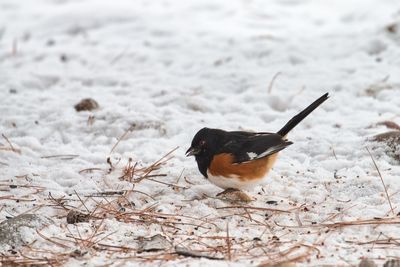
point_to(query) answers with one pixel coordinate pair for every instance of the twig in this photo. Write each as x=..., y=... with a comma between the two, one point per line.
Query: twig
x=59, y=201
x=119, y=56
x=334, y=153
x=165, y=157
x=180, y=175
x=252, y=208
x=66, y=156
x=187, y=181
x=13, y=149
x=271, y=83
x=286, y=256
x=373, y=244
x=228, y=242
x=122, y=137
x=107, y=193
x=9, y=197
x=101, y=239
x=249, y=215
x=383, y=183
x=51, y=241
x=156, y=165
x=83, y=203
x=393, y=220
x=391, y=239
x=173, y=185
x=188, y=253
x=90, y=170
x=143, y=193
x=337, y=214
x=297, y=215
x=387, y=241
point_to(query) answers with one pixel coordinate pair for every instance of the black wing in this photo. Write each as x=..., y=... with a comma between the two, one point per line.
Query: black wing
x=247, y=146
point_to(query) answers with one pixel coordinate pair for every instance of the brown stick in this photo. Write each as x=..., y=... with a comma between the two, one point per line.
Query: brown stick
x=252, y=208
x=188, y=253
x=83, y=203
x=66, y=156
x=90, y=170
x=228, y=243
x=11, y=146
x=50, y=240
x=393, y=220
x=164, y=183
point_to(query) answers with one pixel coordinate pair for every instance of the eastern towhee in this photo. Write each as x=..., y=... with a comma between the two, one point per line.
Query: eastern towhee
x=238, y=159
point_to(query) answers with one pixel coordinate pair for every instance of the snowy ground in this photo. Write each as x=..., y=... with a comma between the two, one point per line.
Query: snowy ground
x=172, y=67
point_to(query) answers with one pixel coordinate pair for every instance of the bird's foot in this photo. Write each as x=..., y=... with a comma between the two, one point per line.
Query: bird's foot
x=233, y=194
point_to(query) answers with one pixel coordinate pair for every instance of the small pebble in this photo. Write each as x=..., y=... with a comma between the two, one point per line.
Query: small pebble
x=86, y=104
x=367, y=263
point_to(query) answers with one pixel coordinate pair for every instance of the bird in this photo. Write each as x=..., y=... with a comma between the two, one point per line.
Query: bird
x=236, y=160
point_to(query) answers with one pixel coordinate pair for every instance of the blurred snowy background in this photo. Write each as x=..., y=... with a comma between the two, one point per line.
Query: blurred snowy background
x=161, y=70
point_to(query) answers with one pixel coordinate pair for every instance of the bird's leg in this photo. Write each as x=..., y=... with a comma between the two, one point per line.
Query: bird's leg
x=234, y=194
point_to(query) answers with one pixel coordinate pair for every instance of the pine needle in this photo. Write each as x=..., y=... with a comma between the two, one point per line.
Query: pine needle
x=383, y=183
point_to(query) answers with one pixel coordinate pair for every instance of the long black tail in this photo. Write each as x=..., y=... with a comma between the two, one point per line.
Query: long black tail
x=299, y=117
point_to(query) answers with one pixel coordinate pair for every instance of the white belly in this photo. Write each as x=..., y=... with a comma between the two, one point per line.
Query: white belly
x=232, y=182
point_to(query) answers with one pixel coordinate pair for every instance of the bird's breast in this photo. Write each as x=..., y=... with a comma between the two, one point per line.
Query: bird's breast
x=225, y=174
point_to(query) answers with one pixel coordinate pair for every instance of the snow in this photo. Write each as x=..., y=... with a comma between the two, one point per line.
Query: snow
x=172, y=67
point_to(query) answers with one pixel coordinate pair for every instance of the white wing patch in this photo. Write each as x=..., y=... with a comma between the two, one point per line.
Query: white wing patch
x=262, y=134
x=252, y=155
x=267, y=152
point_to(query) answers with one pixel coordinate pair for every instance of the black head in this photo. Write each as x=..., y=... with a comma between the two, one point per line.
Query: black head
x=204, y=145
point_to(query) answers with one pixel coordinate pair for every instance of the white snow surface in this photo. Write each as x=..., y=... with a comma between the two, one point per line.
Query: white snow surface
x=173, y=67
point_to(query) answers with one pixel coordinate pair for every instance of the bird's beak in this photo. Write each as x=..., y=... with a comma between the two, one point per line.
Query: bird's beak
x=192, y=152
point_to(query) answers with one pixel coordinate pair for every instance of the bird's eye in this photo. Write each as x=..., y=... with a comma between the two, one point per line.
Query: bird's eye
x=202, y=143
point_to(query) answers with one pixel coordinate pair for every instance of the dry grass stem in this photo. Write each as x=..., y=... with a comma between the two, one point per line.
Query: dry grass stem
x=121, y=138
x=228, y=243
x=254, y=208
x=11, y=148
x=63, y=157
x=375, y=221
x=271, y=83
x=383, y=183
x=89, y=231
